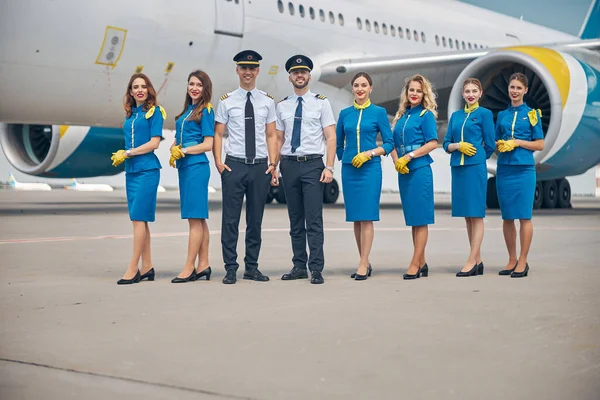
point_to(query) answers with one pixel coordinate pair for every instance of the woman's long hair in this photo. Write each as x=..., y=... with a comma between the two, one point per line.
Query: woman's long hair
x=429, y=96
x=204, y=100
x=129, y=101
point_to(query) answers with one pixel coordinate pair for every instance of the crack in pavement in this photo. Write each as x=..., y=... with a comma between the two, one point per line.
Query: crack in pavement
x=132, y=380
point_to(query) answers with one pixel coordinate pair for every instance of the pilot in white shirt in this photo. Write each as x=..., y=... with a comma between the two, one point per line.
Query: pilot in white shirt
x=249, y=115
x=306, y=126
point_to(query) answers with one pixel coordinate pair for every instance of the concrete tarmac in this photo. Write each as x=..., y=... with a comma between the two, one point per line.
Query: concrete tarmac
x=67, y=331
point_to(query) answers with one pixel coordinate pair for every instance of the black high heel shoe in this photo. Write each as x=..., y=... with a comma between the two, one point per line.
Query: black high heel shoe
x=520, y=274
x=472, y=272
x=205, y=272
x=369, y=271
x=148, y=275
x=508, y=271
x=135, y=279
x=480, y=268
x=423, y=271
x=190, y=278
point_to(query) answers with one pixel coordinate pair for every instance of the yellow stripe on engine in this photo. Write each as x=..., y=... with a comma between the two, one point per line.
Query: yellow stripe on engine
x=62, y=130
x=554, y=63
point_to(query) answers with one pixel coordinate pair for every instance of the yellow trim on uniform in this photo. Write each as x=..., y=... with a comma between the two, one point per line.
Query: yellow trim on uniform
x=62, y=130
x=423, y=112
x=554, y=63
x=209, y=107
x=299, y=67
x=150, y=112
x=512, y=129
x=248, y=63
x=224, y=96
x=533, y=118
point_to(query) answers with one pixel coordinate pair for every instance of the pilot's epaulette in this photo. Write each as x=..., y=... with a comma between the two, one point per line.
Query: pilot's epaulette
x=284, y=99
x=226, y=95
x=423, y=112
x=320, y=96
x=267, y=94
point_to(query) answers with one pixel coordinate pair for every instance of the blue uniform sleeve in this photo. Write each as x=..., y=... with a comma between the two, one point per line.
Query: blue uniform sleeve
x=538, y=133
x=448, y=135
x=429, y=127
x=487, y=128
x=386, y=132
x=340, y=136
x=499, y=126
x=207, y=122
x=156, y=123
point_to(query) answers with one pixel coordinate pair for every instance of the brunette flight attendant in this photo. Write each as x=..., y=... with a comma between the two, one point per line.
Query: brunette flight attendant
x=518, y=134
x=415, y=136
x=195, y=130
x=356, y=135
x=143, y=132
x=470, y=140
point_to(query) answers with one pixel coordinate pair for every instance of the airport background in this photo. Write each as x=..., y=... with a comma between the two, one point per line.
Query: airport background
x=557, y=14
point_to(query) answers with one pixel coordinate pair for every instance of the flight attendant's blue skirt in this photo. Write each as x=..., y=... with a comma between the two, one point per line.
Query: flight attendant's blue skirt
x=469, y=190
x=362, y=191
x=416, y=193
x=515, y=185
x=141, y=190
x=193, y=190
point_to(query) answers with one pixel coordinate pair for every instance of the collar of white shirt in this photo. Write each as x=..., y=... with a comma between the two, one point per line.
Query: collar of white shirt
x=305, y=96
x=244, y=92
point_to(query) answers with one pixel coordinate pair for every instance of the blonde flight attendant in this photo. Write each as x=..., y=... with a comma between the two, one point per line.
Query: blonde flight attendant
x=415, y=136
x=143, y=132
x=195, y=130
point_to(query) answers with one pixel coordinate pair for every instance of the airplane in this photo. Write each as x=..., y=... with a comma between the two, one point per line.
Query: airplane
x=20, y=186
x=62, y=83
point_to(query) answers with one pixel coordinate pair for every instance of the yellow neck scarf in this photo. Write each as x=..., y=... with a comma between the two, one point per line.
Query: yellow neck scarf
x=471, y=108
x=362, y=107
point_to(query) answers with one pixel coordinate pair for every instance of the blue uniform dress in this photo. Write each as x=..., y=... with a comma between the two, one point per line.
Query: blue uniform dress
x=469, y=173
x=357, y=131
x=415, y=128
x=515, y=176
x=142, y=173
x=194, y=169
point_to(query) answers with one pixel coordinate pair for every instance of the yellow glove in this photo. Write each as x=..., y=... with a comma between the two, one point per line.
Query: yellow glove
x=360, y=159
x=118, y=158
x=507, y=145
x=176, y=152
x=400, y=165
x=467, y=148
x=172, y=162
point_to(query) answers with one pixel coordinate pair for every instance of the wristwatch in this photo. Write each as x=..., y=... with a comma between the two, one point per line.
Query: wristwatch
x=329, y=168
x=411, y=155
x=272, y=164
x=128, y=152
x=184, y=150
x=372, y=153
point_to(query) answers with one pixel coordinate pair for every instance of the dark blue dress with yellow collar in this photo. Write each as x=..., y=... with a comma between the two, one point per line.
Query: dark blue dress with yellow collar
x=142, y=173
x=194, y=169
x=415, y=128
x=515, y=175
x=474, y=125
x=356, y=131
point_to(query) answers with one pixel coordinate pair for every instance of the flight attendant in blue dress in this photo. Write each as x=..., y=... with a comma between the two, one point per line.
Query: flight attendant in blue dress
x=415, y=136
x=143, y=133
x=356, y=134
x=194, y=133
x=470, y=140
x=518, y=134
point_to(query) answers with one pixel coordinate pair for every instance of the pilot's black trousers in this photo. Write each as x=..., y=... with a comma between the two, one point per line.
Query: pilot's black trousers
x=251, y=181
x=304, y=197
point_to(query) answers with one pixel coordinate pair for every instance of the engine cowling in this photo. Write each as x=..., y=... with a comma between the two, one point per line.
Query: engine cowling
x=61, y=151
x=564, y=84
